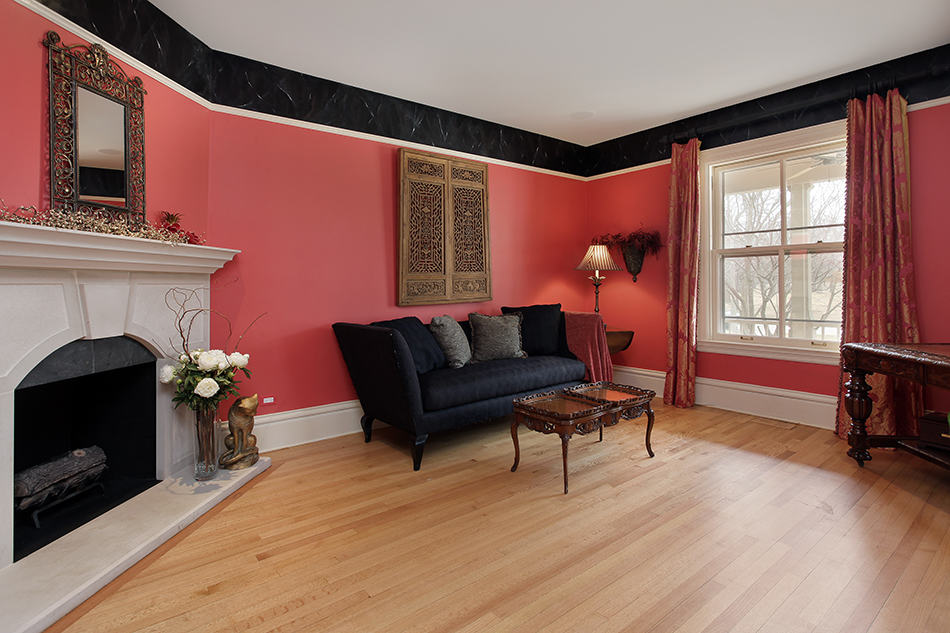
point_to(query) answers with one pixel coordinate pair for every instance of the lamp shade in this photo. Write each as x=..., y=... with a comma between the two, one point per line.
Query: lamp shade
x=597, y=258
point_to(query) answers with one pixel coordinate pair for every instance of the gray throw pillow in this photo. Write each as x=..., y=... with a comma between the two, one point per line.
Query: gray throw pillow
x=451, y=338
x=495, y=337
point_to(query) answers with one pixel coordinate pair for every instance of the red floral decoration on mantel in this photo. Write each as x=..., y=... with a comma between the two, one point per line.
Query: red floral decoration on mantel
x=171, y=222
x=96, y=222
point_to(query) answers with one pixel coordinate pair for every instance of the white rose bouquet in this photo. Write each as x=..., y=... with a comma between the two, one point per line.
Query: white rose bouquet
x=203, y=378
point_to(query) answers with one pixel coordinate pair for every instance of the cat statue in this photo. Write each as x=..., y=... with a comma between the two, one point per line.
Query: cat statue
x=242, y=446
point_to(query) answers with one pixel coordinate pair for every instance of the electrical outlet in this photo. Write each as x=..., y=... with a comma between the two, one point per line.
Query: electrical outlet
x=268, y=399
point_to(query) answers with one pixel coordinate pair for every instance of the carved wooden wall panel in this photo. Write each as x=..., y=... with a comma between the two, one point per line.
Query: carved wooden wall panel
x=444, y=253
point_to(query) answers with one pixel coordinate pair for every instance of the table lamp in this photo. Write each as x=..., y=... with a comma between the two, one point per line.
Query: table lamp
x=597, y=259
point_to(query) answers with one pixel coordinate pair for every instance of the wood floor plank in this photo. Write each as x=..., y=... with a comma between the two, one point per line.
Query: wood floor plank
x=739, y=524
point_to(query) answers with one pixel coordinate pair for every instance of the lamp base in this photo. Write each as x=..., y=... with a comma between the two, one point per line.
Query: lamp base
x=597, y=279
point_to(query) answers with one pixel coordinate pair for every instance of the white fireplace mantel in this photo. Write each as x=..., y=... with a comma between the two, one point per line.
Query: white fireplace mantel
x=59, y=286
x=29, y=246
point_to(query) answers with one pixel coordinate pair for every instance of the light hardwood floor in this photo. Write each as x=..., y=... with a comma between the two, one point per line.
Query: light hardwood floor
x=738, y=524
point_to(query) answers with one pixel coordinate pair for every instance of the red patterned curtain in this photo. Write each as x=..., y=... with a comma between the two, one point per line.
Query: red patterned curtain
x=879, y=301
x=683, y=246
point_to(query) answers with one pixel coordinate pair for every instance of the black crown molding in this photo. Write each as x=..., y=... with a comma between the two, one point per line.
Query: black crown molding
x=920, y=77
x=143, y=31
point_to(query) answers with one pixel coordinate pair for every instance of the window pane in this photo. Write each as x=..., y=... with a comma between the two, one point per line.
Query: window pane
x=813, y=283
x=815, y=194
x=751, y=206
x=759, y=238
x=750, y=295
x=811, y=236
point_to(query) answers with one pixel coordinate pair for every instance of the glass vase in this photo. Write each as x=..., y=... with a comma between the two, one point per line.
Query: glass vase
x=206, y=446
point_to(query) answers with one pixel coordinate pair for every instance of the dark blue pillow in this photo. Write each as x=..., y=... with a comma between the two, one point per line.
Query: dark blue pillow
x=540, y=328
x=426, y=353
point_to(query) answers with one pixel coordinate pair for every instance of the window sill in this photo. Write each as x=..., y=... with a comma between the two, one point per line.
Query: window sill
x=775, y=352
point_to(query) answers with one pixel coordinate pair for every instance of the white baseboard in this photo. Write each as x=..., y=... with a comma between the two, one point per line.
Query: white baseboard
x=643, y=378
x=801, y=407
x=301, y=426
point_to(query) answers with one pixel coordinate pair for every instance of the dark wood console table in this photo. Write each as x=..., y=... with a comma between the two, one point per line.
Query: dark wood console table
x=925, y=363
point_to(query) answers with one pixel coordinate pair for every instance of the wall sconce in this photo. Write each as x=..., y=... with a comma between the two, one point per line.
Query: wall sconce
x=597, y=259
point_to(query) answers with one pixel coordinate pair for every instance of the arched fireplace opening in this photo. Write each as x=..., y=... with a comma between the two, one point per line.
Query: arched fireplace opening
x=88, y=393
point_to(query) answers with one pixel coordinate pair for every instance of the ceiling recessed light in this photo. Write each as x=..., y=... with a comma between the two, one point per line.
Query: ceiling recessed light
x=580, y=116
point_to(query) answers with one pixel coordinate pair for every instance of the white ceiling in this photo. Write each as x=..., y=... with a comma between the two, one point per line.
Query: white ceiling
x=580, y=71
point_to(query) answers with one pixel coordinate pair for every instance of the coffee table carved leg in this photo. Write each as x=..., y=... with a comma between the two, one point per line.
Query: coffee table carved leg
x=564, y=441
x=514, y=439
x=858, y=403
x=649, y=429
x=601, y=433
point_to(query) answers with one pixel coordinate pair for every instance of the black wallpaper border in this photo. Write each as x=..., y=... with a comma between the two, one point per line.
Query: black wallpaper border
x=920, y=77
x=146, y=33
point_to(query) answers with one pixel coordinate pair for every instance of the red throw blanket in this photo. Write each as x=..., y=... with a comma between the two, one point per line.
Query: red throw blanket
x=587, y=339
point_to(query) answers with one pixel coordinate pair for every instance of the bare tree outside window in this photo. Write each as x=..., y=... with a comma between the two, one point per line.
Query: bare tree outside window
x=779, y=258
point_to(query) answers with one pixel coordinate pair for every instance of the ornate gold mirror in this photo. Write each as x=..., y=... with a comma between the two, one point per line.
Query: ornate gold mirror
x=97, y=133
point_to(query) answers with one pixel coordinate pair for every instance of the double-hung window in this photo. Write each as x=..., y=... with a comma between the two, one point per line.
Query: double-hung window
x=773, y=277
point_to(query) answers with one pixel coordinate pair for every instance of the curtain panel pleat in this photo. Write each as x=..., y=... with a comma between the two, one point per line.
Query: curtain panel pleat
x=683, y=276
x=879, y=301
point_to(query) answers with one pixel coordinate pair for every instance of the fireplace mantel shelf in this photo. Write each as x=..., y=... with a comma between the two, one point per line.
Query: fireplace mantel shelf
x=30, y=246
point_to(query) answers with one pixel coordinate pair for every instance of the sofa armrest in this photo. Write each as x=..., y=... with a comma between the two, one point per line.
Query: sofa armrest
x=383, y=372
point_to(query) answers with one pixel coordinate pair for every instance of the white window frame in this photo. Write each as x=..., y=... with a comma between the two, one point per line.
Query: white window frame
x=808, y=139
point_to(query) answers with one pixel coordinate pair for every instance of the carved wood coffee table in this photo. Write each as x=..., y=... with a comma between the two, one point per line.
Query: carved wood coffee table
x=582, y=409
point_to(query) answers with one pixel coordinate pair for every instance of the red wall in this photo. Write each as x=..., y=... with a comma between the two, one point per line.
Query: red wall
x=930, y=204
x=621, y=204
x=625, y=202
x=315, y=215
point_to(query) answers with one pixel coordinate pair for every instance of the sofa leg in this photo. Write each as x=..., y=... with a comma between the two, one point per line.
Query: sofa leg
x=418, y=444
x=367, y=423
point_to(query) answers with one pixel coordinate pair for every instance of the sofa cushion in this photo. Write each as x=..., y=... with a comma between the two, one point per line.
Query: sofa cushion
x=540, y=328
x=496, y=337
x=426, y=353
x=447, y=387
x=451, y=338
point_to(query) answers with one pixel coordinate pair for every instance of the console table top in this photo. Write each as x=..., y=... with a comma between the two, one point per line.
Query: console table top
x=930, y=354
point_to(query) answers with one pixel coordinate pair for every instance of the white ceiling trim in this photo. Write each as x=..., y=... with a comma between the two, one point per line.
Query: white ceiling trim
x=80, y=32
x=933, y=103
x=628, y=170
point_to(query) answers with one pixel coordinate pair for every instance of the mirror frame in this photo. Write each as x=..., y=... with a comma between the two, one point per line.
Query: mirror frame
x=91, y=67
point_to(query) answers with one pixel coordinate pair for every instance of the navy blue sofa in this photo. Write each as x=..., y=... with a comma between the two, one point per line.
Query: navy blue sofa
x=384, y=371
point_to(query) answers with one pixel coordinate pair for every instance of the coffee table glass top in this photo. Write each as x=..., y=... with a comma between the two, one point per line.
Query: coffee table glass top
x=612, y=392
x=561, y=405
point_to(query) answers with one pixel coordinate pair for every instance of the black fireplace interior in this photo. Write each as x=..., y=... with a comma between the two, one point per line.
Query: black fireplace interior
x=99, y=392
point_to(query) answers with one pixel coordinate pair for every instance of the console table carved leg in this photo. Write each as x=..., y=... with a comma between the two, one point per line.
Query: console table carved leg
x=564, y=440
x=858, y=404
x=514, y=439
x=649, y=429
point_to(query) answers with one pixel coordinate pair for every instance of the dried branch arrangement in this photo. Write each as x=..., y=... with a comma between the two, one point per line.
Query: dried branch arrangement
x=202, y=378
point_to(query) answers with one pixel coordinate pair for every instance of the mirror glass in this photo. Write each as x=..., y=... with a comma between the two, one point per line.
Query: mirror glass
x=100, y=139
